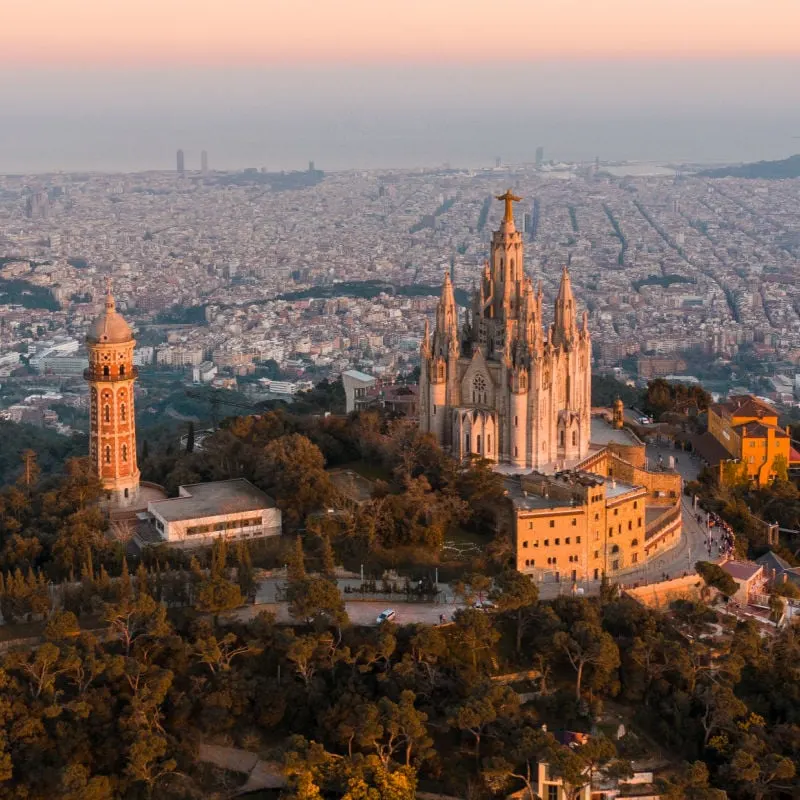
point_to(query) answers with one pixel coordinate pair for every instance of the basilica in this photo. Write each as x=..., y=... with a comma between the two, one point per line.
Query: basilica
x=500, y=385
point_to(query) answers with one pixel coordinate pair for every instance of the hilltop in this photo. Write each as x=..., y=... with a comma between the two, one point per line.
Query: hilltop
x=771, y=170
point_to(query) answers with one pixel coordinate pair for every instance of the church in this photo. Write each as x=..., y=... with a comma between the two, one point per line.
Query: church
x=500, y=386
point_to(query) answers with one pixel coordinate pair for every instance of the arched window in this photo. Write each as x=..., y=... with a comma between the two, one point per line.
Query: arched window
x=106, y=413
x=108, y=455
x=123, y=412
x=561, y=438
x=574, y=438
x=615, y=548
x=121, y=370
x=478, y=446
x=124, y=452
x=106, y=371
x=635, y=543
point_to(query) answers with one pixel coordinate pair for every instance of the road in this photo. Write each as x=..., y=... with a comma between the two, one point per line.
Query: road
x=673, y=563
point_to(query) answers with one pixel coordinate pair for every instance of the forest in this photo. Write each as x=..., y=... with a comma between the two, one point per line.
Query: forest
x=113, y=692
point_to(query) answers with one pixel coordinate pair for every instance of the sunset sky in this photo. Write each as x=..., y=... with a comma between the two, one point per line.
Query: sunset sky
x=207, y=32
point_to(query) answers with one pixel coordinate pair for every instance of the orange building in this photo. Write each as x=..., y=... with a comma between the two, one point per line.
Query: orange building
x=112, y=433
x=744, y=441
x=606, y=516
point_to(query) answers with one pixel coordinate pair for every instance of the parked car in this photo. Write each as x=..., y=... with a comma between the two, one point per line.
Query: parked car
x=485, y=605
x=385, y=616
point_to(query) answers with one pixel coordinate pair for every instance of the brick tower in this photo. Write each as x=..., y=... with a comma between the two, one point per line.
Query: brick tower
x=111, y=375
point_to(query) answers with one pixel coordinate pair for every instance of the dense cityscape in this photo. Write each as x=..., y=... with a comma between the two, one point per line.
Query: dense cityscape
x=681, y=274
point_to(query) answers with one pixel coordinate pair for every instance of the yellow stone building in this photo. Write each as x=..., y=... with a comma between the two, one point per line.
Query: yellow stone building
x=745, y=442
x=608, y=515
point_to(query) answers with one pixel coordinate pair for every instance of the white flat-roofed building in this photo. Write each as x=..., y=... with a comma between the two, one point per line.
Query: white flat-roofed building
x=203, y=512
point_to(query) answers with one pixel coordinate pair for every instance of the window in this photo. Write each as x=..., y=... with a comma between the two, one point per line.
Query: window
x=577, y=539
x=558, y=541
x=634, y=543
x=122, y=412
x=124, y=452
x=574, y=522
x=574, y=438
x=479, y=443
x=533, y=563
x=108, y=455
x=640, y=523
x=535, y=542
x=106, y=372
x=630, y=524
x=616, y=512
x=122, y=370
x=552, y=792
x=466, y=442
x=524, y=544
x=566, y=541
x=516, y=451
x=596, y=517
x=636, y=504
x=527, y=562
x=106, y=413
x=516, y=422
x=635, y=558
x=615, y=548
x=489, y=443
x=597, y=554
x=552, y=523
x=126, y=494
x=615, y=565
x=611, y=530
x=547, y=543
x=530, y=526
x=561, y=438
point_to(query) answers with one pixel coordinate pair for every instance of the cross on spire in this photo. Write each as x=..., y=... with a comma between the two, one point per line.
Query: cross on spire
x=509, y=199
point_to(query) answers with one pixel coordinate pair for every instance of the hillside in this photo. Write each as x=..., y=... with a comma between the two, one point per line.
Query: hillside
x=770, y=170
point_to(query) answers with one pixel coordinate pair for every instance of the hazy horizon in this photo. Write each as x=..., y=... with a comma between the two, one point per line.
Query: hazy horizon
x=384, y=115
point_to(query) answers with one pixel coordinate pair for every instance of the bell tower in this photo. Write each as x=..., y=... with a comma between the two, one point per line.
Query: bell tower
x=112, y=428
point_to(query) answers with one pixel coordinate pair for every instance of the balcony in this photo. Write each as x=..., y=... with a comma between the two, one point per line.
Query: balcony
x=97, y=375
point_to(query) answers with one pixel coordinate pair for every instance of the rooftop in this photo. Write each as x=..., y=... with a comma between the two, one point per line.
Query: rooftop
x=212, y=499
x=603, y=433
x=741, y=570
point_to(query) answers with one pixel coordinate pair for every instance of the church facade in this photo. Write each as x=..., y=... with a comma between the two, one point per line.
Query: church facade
x=500, y=386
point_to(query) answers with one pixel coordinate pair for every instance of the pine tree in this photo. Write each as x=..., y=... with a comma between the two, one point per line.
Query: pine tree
x=190, y=438
x=124, y=584
x=328, y=559
x=296, y=566
x=145, y=450
x=142, y=583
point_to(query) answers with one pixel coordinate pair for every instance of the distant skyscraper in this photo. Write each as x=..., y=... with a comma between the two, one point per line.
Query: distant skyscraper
x=498, y=161
x=311, y=166
x=539, y=156
x=181, y=167
x=526, y=223
x=204, y=162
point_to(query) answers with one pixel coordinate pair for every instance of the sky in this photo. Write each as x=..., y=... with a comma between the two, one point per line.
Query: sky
x=120, y=84
x=139, y=32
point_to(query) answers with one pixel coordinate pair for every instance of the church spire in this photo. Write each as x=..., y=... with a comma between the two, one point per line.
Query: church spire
x=564, y=325
x=446, y=334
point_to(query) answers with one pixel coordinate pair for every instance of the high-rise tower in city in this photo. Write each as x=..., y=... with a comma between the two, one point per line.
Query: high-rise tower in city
x=181, y=165
x=500, y=386
x=112, y=428
x=204, y=162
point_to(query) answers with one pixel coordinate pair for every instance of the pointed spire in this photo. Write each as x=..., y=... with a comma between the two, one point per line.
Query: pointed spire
x=446, y=334
x=111, y=305
x=564, y=323
x=425, y=344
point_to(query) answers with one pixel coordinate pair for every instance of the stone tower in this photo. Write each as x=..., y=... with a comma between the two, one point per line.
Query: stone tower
x=618, y=415
x=501, y=387
x=111, y=375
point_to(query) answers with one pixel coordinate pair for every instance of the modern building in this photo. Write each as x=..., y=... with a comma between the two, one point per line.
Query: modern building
x=356, y=384
x=744, y=441
x=233, y=509
x=499, y=386
x=204, y=162
x=180, y=162
x=539, y=156
x=112, y=431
